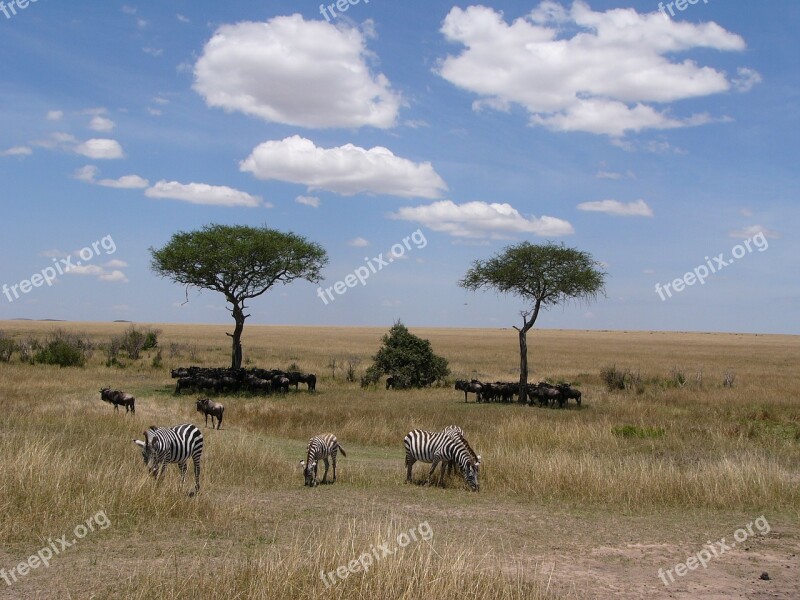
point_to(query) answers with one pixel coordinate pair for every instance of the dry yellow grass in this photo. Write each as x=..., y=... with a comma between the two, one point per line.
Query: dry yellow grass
x=555, y=483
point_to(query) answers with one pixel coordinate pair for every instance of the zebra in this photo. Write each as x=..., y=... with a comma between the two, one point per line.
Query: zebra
x=427, y=446
x=177, y=444
x=320, y=447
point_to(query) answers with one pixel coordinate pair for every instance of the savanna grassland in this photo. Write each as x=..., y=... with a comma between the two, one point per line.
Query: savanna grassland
x=576, y=503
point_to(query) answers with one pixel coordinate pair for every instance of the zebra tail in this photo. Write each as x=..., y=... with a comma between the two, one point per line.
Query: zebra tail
x=342, y=450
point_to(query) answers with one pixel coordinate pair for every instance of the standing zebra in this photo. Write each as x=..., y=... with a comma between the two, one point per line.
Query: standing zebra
x=320, y=447
x=429, y=447
x=177, y=444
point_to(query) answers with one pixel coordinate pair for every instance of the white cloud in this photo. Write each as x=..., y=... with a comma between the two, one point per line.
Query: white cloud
x=202, y=193
x=481, y=219
x=17, y=151
x=304, y=73
x=574, y=69
x=99, y=272
x=103, y=124
x=617, y=208
x=346, y=170
x=55, y=115
x=155, y=52
x=358, y=242
x=746, y=212
x=750, y=231
x=89, y=174
x=746, y=80
x=116, y=264
x=156, y=112
x=182, y=18
x=312, y=201
x=100, y=149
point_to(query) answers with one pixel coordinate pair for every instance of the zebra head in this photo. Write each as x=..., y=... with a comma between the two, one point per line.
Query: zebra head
x=151, y=450
x=310, y=472
x=471, y=475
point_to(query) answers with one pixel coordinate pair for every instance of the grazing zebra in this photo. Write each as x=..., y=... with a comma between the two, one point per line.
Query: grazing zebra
x=426, y=446
x=177, y=444
x=456, y=449
x=320, y=447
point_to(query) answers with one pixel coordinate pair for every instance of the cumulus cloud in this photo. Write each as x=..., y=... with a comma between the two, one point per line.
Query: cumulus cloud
x=89, y=174
x=297, y=72
x=100, y=149
x=574, y=69
x=311, y=201
x=55, y=115
x=346, y=170
x=17, y=151
x=617, y=208
x=748, y=232
x=103, y=124
x=358, y=242
x=202, y=193
x=481, y=219
x=114, y=275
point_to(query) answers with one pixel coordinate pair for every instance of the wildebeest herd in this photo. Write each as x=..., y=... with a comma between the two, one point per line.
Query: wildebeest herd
x=232, y=381
x=546, y=394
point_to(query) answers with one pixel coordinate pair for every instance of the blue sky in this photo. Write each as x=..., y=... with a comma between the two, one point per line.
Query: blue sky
x=654, y=142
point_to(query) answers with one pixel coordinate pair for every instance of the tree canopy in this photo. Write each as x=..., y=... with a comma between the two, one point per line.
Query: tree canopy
x=408, y=359
x=240, y=262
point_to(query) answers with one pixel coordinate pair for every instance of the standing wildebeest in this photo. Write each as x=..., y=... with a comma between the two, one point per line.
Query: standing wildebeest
x=118, y=399
x=569, y=392
x=209, y=407
x=473, y=386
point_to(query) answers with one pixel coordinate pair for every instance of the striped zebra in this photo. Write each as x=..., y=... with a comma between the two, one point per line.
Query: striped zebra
x=163, y=445
x=444, y=446
x=320, y=447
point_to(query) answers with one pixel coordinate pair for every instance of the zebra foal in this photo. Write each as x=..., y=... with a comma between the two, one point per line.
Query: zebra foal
x=164, y=445
x=320, y=447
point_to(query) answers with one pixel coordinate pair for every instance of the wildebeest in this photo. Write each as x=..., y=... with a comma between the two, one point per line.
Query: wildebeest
x=473, y=386
x=209, y=407
x=118, y=398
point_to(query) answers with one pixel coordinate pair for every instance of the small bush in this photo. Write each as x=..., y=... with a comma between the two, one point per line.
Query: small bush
x=633, y=431
x=614, y=378
x=7, y=347
x=27, y=349
x=63, y=349
x=157, y=362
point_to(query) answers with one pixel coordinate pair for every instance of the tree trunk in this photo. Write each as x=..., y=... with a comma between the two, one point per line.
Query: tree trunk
x=523, y=366
x=236, y=337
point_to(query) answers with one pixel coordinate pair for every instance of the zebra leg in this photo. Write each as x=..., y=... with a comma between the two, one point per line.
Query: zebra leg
x=433, y=468
x=196, y=477
x=333, y=458
x=409, y=463
x=325, y=475
x=182, y=469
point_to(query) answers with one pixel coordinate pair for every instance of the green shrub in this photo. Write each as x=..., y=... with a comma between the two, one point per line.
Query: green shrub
x=407, y=358
x=614, y=378
x=63, y=349
x=7, y=347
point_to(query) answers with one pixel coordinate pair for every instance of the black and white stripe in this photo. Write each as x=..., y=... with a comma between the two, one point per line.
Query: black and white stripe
x=320, y=447
x=444, y=446
x=164, y=445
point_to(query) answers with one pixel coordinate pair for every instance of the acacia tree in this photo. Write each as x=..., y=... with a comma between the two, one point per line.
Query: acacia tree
x=241, y=263
x=542, y=275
